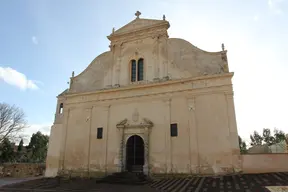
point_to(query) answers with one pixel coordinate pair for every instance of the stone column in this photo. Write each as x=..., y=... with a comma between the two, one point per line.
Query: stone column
x=121, y=146
x=146, y=151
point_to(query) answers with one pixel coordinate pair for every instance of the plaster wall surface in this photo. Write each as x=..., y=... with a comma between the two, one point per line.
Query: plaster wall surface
x=199, y=113
x=265, y=163
x=52, y=163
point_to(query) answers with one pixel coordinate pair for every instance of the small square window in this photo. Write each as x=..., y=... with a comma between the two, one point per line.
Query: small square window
x=174, y=130
x=99, y=133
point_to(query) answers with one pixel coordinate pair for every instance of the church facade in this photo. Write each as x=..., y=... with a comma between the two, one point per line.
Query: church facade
x=151, y=103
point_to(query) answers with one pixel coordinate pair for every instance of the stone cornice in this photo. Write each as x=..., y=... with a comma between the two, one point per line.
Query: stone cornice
x=152, y=84
x=163, y=25
x=141, y=34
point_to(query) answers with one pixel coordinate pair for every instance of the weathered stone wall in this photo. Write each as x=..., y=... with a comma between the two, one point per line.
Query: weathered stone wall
x=182, y=85
x=165, y=103
x=264, y=163
x=21, y=169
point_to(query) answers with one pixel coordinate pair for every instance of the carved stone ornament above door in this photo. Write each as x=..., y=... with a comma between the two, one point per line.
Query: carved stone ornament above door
x=144, y=123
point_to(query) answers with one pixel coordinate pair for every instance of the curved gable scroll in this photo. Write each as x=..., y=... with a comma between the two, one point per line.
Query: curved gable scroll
x=186, y=60
x=92, y=78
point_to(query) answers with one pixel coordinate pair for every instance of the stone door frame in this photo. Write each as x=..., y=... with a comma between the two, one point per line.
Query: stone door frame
x=126, y=130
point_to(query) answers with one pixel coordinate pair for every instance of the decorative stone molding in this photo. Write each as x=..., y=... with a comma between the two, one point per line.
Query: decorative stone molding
x=127, y=129
x=160, y=30
x=143, y=124
x=191, y=104
x=146, y=150
x=121, y=150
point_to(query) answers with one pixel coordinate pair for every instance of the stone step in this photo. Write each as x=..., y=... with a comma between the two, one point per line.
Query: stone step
x=126, y=178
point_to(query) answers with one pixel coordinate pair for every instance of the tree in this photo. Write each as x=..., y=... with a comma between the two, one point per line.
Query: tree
x=279, y=136
x=6, y=151
x=256, y=139
x=267, y=137
x=21, y=155
x=242, y=145
x=12, y=121
x=20, y=146
x=38, y=147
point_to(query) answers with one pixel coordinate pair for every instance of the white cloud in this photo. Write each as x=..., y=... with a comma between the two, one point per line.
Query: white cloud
x=13, y=77
x=35, y=40
x=274, y=6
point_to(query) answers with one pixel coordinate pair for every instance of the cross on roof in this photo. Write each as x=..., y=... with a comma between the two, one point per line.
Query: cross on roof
x=138, y=13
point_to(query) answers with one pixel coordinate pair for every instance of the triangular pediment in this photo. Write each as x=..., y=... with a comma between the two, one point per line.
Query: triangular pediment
x=138, y=25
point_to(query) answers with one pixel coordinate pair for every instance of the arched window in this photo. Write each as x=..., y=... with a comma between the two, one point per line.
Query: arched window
x=137, y=70
x=140, y=70
x=61, y=108
x=133, y=70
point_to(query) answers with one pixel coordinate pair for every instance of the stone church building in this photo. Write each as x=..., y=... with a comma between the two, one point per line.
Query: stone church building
x=151, y=103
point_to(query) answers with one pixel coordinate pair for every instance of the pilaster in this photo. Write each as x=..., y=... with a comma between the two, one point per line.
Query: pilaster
x=121, y=149
x=156, y=58
x=193, y=135
x=167, y=107
x=90, y=109
x=64, y=139
x=117, y=67
x=106, y=108
x=164, y=51
x=146, y=150
x=232, y=120
x=234, y=143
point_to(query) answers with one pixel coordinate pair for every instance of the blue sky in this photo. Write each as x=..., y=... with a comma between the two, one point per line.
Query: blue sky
x=42, y=42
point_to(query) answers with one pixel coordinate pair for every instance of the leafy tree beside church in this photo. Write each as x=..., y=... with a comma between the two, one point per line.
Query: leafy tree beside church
x=267, y=137
x=38, y=147
x=35, y=152
x=6, y=151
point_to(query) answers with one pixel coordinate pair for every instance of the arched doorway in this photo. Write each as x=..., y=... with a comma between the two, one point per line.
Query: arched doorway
x=135, y=154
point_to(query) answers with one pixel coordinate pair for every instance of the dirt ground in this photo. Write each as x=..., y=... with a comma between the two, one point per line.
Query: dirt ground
x=232, y=183
x=9, y=180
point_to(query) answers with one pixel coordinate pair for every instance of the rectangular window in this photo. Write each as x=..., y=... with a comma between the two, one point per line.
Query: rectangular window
x=61, y=108
x=99, y=133
x=133, y=71
x=140, y=75
x=173, y=130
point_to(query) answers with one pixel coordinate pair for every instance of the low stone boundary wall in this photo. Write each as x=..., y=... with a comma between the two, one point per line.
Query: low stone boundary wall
x=21, y=169
x=265, y=163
